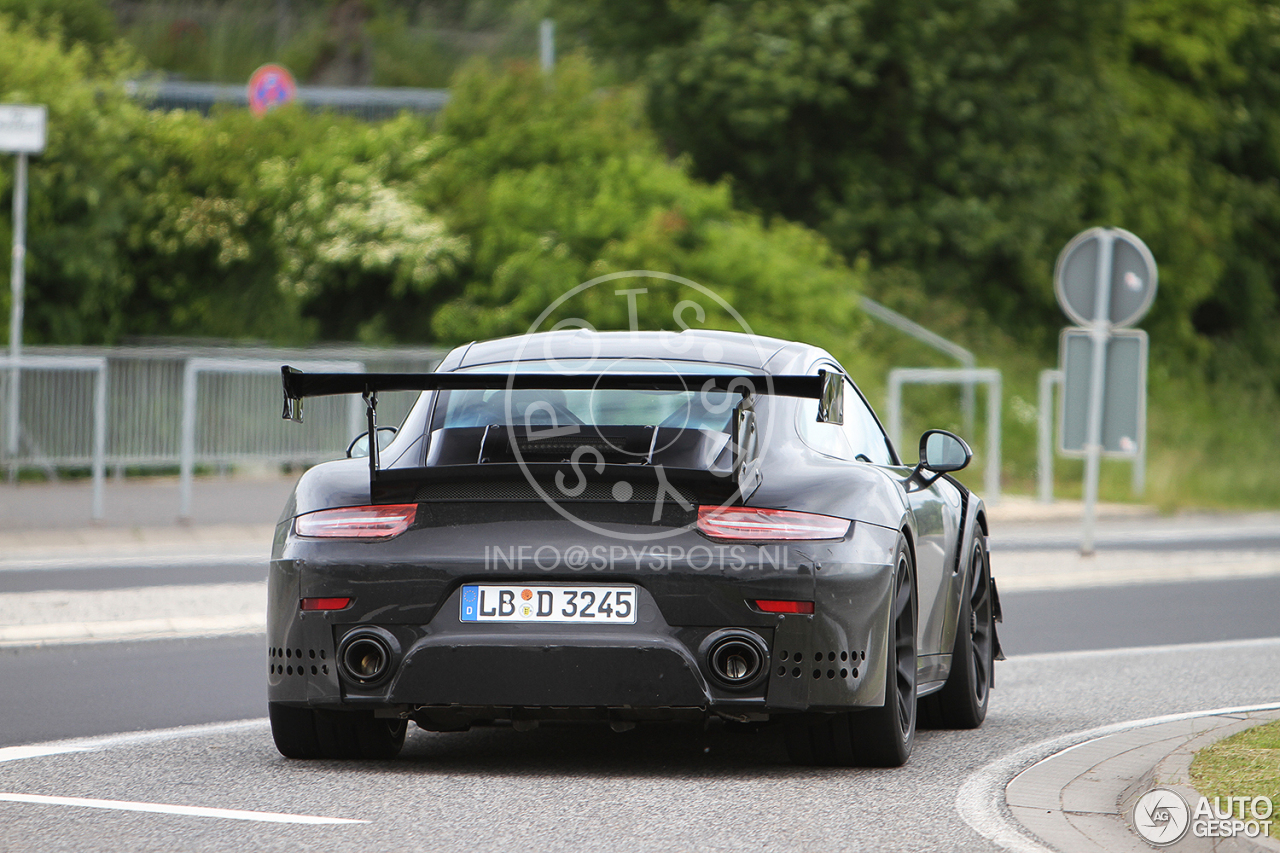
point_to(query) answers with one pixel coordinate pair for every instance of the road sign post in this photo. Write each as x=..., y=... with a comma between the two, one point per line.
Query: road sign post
x=1105, y=279
x=22, y=132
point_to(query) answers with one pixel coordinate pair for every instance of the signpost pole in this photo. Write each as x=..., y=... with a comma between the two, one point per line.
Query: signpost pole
x=16, y=284
x=1099, y=333
x=1105, y=279
x=547, y=45
x=1139, y=483
x=22, y=132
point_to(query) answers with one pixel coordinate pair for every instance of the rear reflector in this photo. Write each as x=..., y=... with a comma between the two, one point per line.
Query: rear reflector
x=745, y=522
x=785, y=606
x=357, y=522
x=325, y=603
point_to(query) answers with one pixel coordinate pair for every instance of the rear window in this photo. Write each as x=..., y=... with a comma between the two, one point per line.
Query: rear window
x=694, y=409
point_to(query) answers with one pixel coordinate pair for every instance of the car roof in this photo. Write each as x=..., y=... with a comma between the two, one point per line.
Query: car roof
x=752, y=352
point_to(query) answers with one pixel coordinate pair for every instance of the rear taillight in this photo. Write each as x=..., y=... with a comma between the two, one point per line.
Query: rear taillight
x=356, y=522
x=324, y=603
x=773, y=606
x=744, y=522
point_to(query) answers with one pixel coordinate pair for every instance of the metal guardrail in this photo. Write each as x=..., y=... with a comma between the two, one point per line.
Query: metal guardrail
x=70, y=415
x=954, y=375
x=371, y=103
x=227, y=431
x=227, y=397
x=892, y=318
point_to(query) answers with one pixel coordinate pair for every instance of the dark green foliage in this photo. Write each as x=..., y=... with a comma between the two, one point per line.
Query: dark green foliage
x=300, y=226
x=965, y=142
x=87, y=22
x=556, y=183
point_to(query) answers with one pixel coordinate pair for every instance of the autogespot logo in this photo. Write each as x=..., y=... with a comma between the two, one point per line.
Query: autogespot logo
x=588, y=441
x=1161, y=816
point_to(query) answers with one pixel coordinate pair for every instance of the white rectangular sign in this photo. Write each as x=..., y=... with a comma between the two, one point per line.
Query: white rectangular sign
x=22, y=128
x=1124, y=392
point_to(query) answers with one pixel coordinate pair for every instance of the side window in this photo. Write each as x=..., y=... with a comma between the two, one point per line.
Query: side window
x=861, y=431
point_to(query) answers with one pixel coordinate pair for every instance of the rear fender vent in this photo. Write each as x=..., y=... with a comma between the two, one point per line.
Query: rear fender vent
x=823, y=664
x=295, y=661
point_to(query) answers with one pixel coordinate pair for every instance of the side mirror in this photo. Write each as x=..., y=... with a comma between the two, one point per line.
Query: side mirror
x=942, y=452
x=359, y=446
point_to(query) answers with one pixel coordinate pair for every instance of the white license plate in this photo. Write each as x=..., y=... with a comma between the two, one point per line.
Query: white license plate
x=516, y=603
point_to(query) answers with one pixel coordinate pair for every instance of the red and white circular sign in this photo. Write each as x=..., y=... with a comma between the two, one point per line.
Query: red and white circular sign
x=269, y=87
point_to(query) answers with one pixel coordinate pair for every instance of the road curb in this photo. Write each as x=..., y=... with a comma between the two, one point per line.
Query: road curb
x=1174, y=773
x=1081, y=798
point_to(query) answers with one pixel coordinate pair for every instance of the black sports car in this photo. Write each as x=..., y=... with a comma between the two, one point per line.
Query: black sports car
x=626, y=527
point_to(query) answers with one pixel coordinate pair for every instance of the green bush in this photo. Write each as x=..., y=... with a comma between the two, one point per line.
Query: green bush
x=556, y=182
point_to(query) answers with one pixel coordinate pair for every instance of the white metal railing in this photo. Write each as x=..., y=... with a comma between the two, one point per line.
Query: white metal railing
x=1049, y=380
x=892, y=318
x=65, y=423
x=159, y=407
x=228, y=432
x=954, y=375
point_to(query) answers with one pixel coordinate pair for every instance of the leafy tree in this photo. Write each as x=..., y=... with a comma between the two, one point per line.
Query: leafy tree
x=87, y=22
x=959, y=145
x=81, y=199
x=556, y=183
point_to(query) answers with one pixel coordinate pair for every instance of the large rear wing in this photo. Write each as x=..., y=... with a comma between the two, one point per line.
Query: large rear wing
x=826, y=387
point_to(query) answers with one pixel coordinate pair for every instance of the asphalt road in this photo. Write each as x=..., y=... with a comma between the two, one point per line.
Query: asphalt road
x=78, y=690
x=1140, y=615
x=55, y=692
x=1072, y=667
x=655, y=788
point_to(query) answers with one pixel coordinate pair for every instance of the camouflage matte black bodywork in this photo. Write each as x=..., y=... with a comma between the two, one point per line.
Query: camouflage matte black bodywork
x=448, y=674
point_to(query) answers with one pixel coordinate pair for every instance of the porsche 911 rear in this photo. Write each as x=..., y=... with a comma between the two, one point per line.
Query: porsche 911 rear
x=482, y=609
x=623, y=527
x=554, y=554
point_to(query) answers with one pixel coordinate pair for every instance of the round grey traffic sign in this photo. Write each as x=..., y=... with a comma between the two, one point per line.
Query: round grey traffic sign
x=1130, y=279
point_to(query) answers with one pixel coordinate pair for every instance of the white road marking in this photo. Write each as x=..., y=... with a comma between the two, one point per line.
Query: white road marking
x=101, y=631
x=981, y=799
x=230, y=556
x=17, y=753
x=162, y=808
x=96, y=744
x=100, y=742
x=1212, y=645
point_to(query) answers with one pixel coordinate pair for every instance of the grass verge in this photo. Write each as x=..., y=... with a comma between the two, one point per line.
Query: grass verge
x=1244, y=765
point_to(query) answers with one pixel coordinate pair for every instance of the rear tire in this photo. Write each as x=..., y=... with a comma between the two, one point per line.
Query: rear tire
x=293, y=730
x=305, y=733
x=380, y=739
x=875, y=737
x=962, y=701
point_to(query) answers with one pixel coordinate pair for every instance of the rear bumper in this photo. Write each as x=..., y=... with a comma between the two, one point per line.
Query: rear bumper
x=655, y=668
